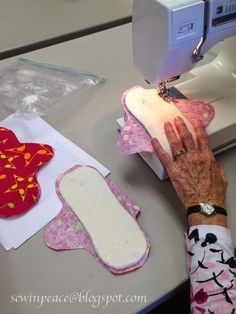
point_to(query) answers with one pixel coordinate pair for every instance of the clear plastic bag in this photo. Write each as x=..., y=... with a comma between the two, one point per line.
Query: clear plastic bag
x=32, y=87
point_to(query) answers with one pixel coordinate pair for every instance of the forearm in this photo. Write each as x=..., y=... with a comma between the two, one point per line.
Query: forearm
x=212, y=269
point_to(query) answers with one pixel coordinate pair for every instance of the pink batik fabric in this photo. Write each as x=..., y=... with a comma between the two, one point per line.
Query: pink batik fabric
x=134, y=138
x=212, y=270
x=66, y=232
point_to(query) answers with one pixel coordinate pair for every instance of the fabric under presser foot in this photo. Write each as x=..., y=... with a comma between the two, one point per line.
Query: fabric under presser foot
x=146, y=114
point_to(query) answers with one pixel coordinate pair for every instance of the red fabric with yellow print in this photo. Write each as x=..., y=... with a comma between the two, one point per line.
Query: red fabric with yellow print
x=19, y=162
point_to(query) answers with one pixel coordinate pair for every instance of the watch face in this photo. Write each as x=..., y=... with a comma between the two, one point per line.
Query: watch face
x=207, y=209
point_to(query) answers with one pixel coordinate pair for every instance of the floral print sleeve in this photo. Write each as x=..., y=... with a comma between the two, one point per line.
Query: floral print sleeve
x=212, y=270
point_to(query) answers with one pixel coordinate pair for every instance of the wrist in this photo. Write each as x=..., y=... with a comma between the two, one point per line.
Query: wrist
x=200, y=219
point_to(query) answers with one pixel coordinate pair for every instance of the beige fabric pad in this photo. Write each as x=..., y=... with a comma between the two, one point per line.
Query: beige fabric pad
x=117, y=238
x=152, y=112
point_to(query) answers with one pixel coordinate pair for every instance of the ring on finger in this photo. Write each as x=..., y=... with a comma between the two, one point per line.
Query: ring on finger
x=180, y=152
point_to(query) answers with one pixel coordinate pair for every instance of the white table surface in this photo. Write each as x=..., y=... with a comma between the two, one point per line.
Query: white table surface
x=27, y=22
x=91, y=123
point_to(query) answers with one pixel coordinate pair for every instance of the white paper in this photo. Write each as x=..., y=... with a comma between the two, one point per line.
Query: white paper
x=16, y=230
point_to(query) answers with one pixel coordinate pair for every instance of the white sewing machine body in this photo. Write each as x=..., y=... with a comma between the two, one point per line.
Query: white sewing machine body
x=165, y=35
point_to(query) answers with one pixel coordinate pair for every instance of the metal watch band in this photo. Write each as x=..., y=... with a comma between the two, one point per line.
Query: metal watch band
x=198, y=209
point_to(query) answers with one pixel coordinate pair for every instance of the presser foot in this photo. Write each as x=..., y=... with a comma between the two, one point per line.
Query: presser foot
x=163, y=90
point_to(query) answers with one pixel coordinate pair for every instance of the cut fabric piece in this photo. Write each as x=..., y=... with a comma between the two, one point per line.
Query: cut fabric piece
x=19, y=162
x=135, y=138
x=195, y=109
x=66, y=231
x=16, y=230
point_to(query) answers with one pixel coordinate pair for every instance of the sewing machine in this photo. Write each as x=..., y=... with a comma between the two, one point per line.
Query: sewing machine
x=170, y=37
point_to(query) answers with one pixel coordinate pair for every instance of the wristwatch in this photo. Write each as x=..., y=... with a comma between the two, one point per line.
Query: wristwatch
x=207, y=209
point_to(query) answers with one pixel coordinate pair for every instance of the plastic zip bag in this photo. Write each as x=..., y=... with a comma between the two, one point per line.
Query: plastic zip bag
x=32, y=87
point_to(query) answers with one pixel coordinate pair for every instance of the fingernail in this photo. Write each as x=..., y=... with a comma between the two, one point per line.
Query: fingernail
x=178, y=120
x=167, y=125
x=197, y=123
x=194, y=123
x=154, y=141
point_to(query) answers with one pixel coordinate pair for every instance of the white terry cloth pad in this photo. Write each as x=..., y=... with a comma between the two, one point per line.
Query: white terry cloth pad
x=152, y=112
x=117, y=238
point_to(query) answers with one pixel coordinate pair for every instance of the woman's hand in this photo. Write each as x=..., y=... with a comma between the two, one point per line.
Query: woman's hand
x=194, y=172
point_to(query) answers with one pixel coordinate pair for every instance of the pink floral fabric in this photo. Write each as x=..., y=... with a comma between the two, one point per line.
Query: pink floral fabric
x=212, y=270
x=134, y=138
x=66, y=232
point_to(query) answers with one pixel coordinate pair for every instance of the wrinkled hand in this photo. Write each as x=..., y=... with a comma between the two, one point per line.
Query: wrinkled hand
x=195, y=174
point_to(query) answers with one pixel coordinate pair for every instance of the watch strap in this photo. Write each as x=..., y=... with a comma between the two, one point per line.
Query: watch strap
x=198, y=209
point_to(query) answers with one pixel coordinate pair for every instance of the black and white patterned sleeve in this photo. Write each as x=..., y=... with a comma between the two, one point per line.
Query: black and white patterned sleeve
x=212, y=269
